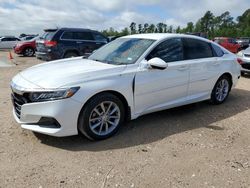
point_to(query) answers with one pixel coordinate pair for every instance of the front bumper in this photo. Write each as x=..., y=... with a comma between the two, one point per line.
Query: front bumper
x=47, y=56
x=18, y=50
x=65, y=112
x=245, y=66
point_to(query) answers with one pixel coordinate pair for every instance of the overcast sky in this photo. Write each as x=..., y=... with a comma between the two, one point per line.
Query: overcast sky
x=32, y=16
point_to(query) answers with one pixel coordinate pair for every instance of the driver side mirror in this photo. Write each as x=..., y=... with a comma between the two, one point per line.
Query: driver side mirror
x=157, y=63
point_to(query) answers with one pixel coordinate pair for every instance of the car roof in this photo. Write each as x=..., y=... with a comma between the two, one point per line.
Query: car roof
x=67, y=29
x=160, y=36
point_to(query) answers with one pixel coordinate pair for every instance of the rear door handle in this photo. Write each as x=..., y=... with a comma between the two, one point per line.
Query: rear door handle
x=79, y=42
x=216, y=63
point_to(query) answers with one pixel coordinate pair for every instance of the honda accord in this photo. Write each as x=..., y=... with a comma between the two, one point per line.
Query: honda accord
x=129, y=77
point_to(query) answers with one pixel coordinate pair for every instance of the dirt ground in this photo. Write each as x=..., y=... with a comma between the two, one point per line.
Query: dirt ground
x=198, y=145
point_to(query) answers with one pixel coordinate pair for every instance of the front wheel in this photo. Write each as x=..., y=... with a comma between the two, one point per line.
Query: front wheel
x=221, y=90
x=29, y=52
x=101, y=117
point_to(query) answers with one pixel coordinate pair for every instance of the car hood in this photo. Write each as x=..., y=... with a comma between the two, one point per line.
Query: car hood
x=68, y=72
x=25, y=42
x=247, y=51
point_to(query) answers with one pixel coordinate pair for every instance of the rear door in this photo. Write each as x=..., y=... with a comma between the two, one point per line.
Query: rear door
x=204, y=67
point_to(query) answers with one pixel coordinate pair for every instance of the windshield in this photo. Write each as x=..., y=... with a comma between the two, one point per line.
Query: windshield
x=35, y=38
x=122, y=51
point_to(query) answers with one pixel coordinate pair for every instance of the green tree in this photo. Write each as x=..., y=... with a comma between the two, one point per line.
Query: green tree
x=190, y=27
x=178, y=29
x=151, y=28
x=160, y=27
x=140, y=28
x=145, y=28
x=124, y=32
x=133, y=28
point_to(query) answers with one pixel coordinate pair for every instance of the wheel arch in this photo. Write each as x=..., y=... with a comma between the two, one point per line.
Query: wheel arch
x=71, y=50
x=115, y=93
x=229, y=75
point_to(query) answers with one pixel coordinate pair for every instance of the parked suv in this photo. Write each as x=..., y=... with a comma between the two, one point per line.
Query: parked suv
x=68, y=42
x=228, y=43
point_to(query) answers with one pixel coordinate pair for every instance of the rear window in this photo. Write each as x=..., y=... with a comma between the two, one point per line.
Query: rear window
x=48, y=35
x=99, y=37
x=217, y=50
x=195, y=49
x=231, y=40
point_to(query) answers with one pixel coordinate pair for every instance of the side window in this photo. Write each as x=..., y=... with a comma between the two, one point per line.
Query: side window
x=217, y=50
x=169, y=50
x=67, y=35
x=195, y=49
x=83, y=36
x=99, y=37
x=5, y=39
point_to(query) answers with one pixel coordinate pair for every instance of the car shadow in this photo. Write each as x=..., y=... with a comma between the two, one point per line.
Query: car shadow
x=246, y=76
x=157, y=126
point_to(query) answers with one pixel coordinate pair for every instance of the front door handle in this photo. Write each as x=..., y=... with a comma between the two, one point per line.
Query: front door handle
x=183, y=68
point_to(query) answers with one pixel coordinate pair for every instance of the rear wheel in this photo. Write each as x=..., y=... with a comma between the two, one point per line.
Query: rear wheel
x=221, y=90
x=70, y=54
x=101, y=117
x=28, y=52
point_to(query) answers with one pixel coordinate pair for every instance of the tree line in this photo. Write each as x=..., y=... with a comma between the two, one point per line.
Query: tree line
x=211, y=25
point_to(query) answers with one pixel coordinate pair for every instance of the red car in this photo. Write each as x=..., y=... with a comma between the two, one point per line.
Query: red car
x=26, y=48
x=228, y=43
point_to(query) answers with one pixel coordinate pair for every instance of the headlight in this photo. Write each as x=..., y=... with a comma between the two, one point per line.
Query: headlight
x=240, y=54
x=53, y=95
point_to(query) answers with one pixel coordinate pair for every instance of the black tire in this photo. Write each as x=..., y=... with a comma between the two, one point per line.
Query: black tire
x=70, y=54
x=242, y=73
x=28, y=52
x=86, y=113
x=214, y=97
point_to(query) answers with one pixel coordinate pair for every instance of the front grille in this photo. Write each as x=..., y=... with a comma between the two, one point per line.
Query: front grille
x=246, y=66
x=247, y=55
x=18, y=101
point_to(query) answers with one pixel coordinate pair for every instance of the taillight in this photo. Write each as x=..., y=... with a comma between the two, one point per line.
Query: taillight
x=239, y=61
x=49, y=43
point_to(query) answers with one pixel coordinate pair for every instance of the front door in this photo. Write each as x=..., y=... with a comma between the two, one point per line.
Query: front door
x=157, y=89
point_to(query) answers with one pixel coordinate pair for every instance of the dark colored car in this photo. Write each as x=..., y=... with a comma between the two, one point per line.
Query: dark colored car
x=68, y=42
x=26, y=48
x=228, y=43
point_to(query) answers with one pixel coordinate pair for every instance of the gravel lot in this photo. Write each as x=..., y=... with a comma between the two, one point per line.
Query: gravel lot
x=198, y=145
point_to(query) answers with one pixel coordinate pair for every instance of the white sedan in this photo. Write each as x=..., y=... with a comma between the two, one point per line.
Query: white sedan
x=127, y=78
x=8, y=42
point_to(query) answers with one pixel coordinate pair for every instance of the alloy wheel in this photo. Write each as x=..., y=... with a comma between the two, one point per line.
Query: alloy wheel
x=104, y=118
x=222, y=90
